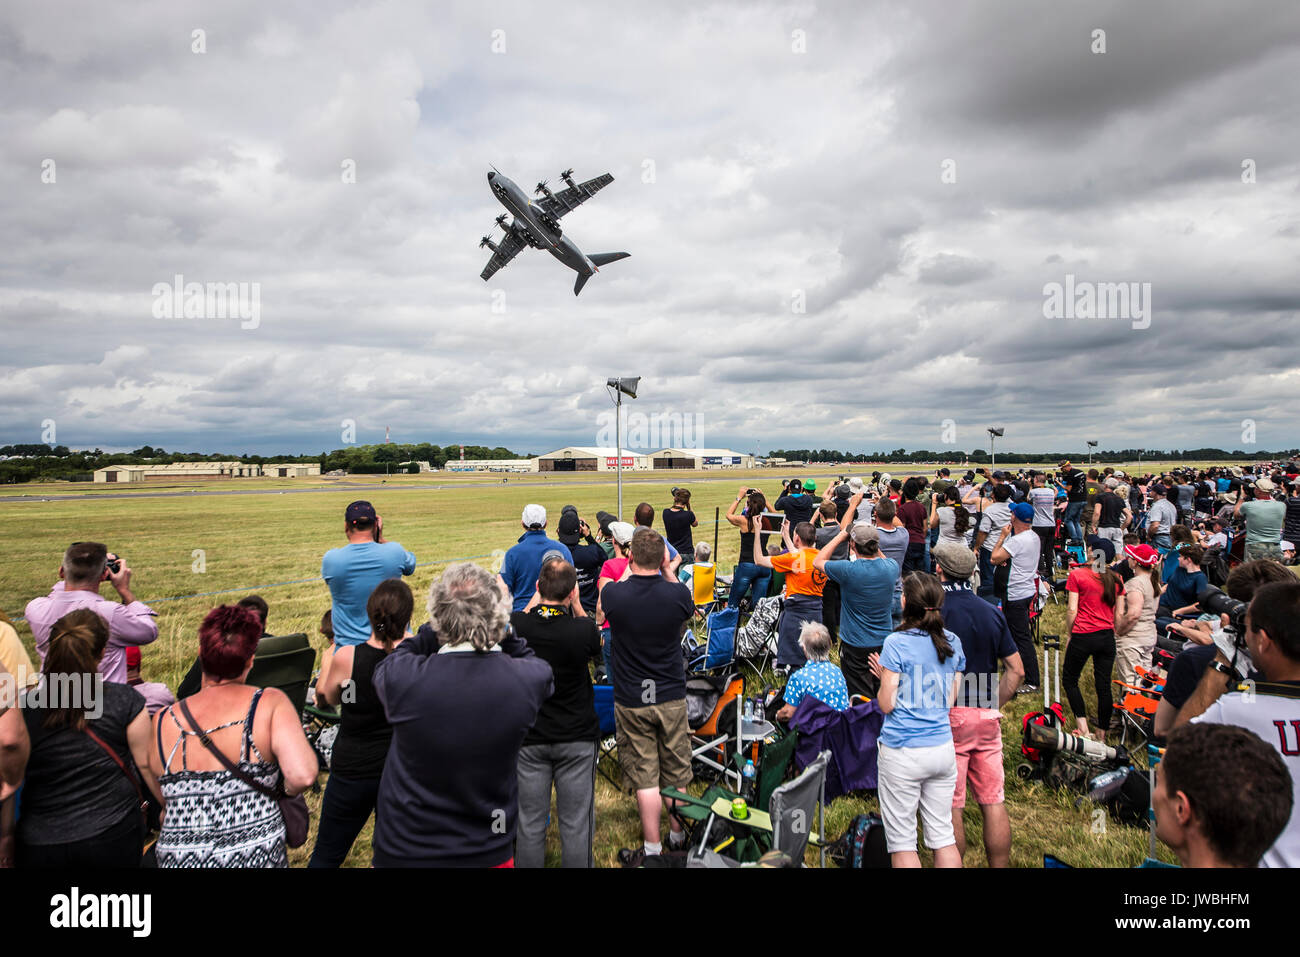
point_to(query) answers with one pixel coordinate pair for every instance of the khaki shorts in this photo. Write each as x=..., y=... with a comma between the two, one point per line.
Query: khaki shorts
x=654, y=745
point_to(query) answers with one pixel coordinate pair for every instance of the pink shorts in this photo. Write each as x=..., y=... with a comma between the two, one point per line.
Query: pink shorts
x=977, y=739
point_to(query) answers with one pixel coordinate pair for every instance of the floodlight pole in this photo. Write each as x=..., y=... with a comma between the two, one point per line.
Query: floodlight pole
x=993, y=448
x=618, y=450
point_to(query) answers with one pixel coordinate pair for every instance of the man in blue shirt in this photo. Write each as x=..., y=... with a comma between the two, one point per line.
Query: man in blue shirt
x=523, y=561
x=353, y=570
x=976, y=716
x=866, y=599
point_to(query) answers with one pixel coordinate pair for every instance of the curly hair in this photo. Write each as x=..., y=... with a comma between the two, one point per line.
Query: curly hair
x=466, y=605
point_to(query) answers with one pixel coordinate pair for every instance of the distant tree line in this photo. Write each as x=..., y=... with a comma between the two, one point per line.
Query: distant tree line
x=1022, y=458
x=36, y=462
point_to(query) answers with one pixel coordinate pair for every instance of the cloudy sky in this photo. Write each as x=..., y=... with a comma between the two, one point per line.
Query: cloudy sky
x=842, y=219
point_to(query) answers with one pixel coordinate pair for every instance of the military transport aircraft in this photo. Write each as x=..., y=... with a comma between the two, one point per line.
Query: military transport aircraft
x=536, y=223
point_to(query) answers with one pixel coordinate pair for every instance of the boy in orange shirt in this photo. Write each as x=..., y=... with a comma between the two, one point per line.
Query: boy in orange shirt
x=803, y=589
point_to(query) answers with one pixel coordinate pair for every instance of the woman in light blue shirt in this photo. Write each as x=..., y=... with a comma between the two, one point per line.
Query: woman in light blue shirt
x=920, y=669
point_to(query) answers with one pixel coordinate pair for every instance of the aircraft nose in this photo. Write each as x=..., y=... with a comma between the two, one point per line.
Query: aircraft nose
x=491, y=177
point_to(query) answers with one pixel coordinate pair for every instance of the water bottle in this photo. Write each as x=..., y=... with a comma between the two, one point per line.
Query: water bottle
x=749, y=709
x=748, y=776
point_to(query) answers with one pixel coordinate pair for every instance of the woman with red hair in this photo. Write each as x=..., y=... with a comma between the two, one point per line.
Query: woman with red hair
x=213, y=817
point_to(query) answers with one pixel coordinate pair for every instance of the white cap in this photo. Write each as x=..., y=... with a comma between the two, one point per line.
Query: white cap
x=1287, y=546
x=534, y=515
x=622, y=532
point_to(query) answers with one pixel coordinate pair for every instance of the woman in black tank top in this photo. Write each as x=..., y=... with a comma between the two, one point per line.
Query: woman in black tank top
x=357, y=761
x=747, y=576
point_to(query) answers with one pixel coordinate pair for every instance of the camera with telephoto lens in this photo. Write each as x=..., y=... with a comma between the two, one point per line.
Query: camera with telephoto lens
x=1232, y=639
x=1051, y=738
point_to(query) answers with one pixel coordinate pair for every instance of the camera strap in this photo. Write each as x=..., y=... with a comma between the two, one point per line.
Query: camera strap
x=1278, y=689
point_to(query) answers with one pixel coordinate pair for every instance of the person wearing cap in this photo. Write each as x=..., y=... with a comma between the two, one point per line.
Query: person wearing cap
x=1135, y=628
x=1218, y=537
x=353, y=570
x=1076, y=497
x=606, y=540
x=1264, y=519
x=976, y=716
x=1017, y=549
x=588, y=555
x=866, y=584
x=1096, y=604
x=1111, y=514
x=1161, y=517
x=797, y=504
x=523, y=562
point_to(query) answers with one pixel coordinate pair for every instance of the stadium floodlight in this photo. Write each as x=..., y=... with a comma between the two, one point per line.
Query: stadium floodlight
x=620, y=387
x=1140, y=451
x=1091, y=445
x=993, y=453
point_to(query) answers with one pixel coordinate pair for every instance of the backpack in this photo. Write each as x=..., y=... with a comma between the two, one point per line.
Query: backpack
x=1053, y=717
x=760, y=629
x=1215, y=567
x=862, y=845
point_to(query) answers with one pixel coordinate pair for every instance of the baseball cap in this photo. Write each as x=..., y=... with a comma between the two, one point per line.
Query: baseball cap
x=863, y=534
x=1103, y=545
x=999, y=474
x=1265, y=485
x=1065, y=464
x=622, y=532
x=1144, y=555
x=1286, y=546
x=534, y=516
x=552, y=554
x=567, y=531
x=360, y=512
x=955, y=560
x=1112, y=482
x=1023, y=511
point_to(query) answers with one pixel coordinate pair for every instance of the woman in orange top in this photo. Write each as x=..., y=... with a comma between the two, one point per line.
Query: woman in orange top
x=803, y=589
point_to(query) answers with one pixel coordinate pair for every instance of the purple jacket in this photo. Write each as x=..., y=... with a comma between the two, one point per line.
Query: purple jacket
x=850, y=736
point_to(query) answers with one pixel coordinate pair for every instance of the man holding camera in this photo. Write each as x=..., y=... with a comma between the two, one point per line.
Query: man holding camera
x=85, y=566
x=1076, y=497
x=1268, y=703
x=353, y=570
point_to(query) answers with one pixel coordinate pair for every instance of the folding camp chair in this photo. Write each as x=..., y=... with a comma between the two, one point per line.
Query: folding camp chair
x=756, y=641
x=607, y=747
x=796, y=816
x=290, y=671
x=772, y=763
x=1137, y=704
x=704, y=580
x=713, y=712
x=717, y=649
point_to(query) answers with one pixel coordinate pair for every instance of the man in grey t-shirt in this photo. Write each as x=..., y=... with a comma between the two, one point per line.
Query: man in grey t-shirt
x=1264, y=517
x=1161, y=517
x=991, y=520
x=893, y=544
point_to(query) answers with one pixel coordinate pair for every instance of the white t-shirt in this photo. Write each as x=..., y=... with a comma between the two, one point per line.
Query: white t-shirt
x=1218, y=538
x=1276, y=721
x=991, y=520
x=1044, y=502
x=1024, y=548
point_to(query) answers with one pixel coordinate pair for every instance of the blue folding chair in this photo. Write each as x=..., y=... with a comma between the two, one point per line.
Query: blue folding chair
x=719, y=646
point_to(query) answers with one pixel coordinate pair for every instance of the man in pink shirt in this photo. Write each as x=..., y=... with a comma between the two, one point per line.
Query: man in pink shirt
x=85, y=566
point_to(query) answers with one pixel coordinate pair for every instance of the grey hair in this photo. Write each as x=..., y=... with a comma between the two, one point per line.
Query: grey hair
x=467, y=605
x=702, y=552
x=815, y=640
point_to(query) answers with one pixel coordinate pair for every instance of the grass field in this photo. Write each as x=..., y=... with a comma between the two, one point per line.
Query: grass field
x=189, y=553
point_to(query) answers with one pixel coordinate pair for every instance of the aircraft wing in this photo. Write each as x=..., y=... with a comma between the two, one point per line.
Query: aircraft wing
x=506, y=250
x=560, y=203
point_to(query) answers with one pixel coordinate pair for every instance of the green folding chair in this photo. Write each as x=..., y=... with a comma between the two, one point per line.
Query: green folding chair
x=289, y=670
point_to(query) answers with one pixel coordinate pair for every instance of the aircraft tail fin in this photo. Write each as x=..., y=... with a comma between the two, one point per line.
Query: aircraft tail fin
x=601, y=258
x=582, y=281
